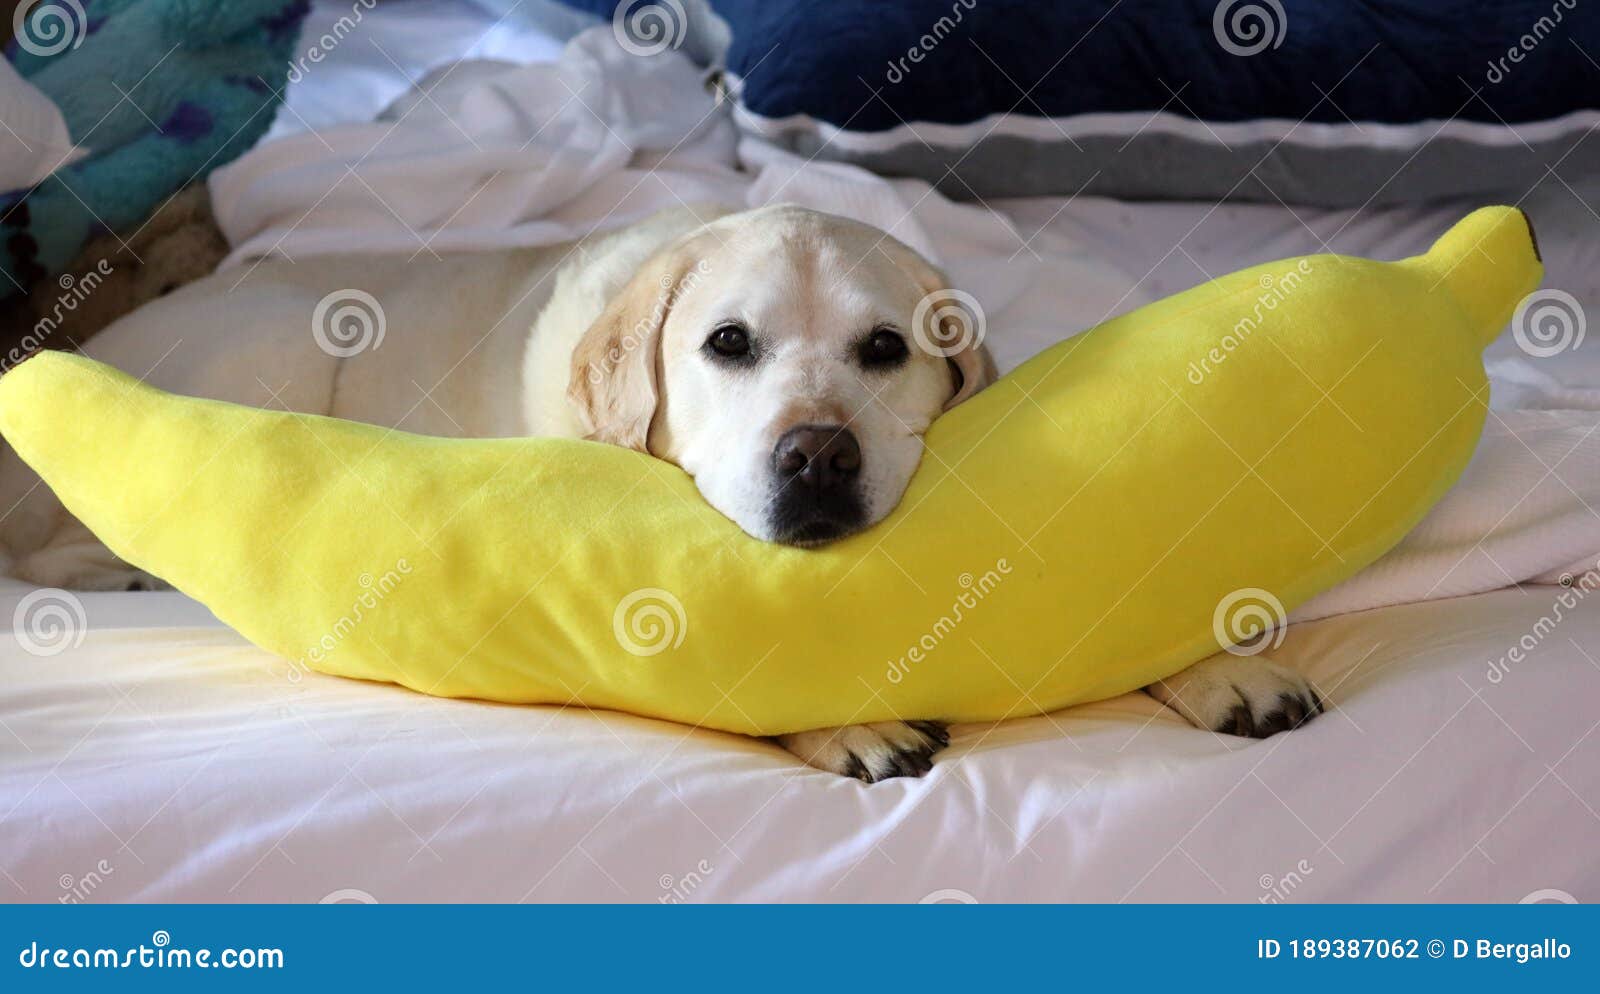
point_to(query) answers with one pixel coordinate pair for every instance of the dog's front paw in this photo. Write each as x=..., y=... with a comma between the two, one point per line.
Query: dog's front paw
x=1240, y=695
x=879, y=751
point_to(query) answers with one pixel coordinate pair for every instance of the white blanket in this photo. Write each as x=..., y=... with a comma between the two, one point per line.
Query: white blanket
x=482, y=156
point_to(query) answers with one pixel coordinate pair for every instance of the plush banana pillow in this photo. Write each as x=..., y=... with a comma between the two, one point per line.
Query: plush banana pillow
x=1110, y=512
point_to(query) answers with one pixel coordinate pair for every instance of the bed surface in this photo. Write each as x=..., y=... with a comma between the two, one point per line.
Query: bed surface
x=163, y=758
x=171, y=761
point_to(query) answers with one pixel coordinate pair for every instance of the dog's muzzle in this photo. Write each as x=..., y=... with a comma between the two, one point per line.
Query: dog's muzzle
x=817, y=474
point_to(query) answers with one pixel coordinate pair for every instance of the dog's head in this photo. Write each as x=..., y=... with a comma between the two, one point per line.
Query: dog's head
x=774, y=356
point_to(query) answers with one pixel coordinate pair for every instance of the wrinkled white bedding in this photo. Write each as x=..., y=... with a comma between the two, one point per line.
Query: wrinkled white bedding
x=163, y=759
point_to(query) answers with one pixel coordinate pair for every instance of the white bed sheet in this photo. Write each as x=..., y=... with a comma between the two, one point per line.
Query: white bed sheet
x=175, y=762
x=164, y=759
x=387, y=49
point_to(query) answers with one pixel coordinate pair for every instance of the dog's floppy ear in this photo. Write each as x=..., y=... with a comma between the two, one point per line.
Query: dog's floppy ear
x=614, y=384
x=951, y=324
x=960, y=324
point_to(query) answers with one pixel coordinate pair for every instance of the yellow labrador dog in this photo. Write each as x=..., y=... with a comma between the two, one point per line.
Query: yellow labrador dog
x=769, y=353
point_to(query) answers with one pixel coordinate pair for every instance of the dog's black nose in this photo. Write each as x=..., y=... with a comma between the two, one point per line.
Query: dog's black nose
x=816, y=469
x=823, y=458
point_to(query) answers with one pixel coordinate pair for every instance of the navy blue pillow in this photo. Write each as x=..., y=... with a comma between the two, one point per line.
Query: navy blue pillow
x=1313, y=101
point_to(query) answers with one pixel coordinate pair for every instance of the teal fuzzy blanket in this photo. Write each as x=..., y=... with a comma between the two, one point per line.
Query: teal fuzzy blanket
x=159, y=92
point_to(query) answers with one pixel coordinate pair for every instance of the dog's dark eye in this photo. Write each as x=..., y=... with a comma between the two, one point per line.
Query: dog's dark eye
x=883, y=348
x=729, y=341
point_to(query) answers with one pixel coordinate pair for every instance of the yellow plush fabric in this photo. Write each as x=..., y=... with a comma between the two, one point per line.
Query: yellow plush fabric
x=1071, y=534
